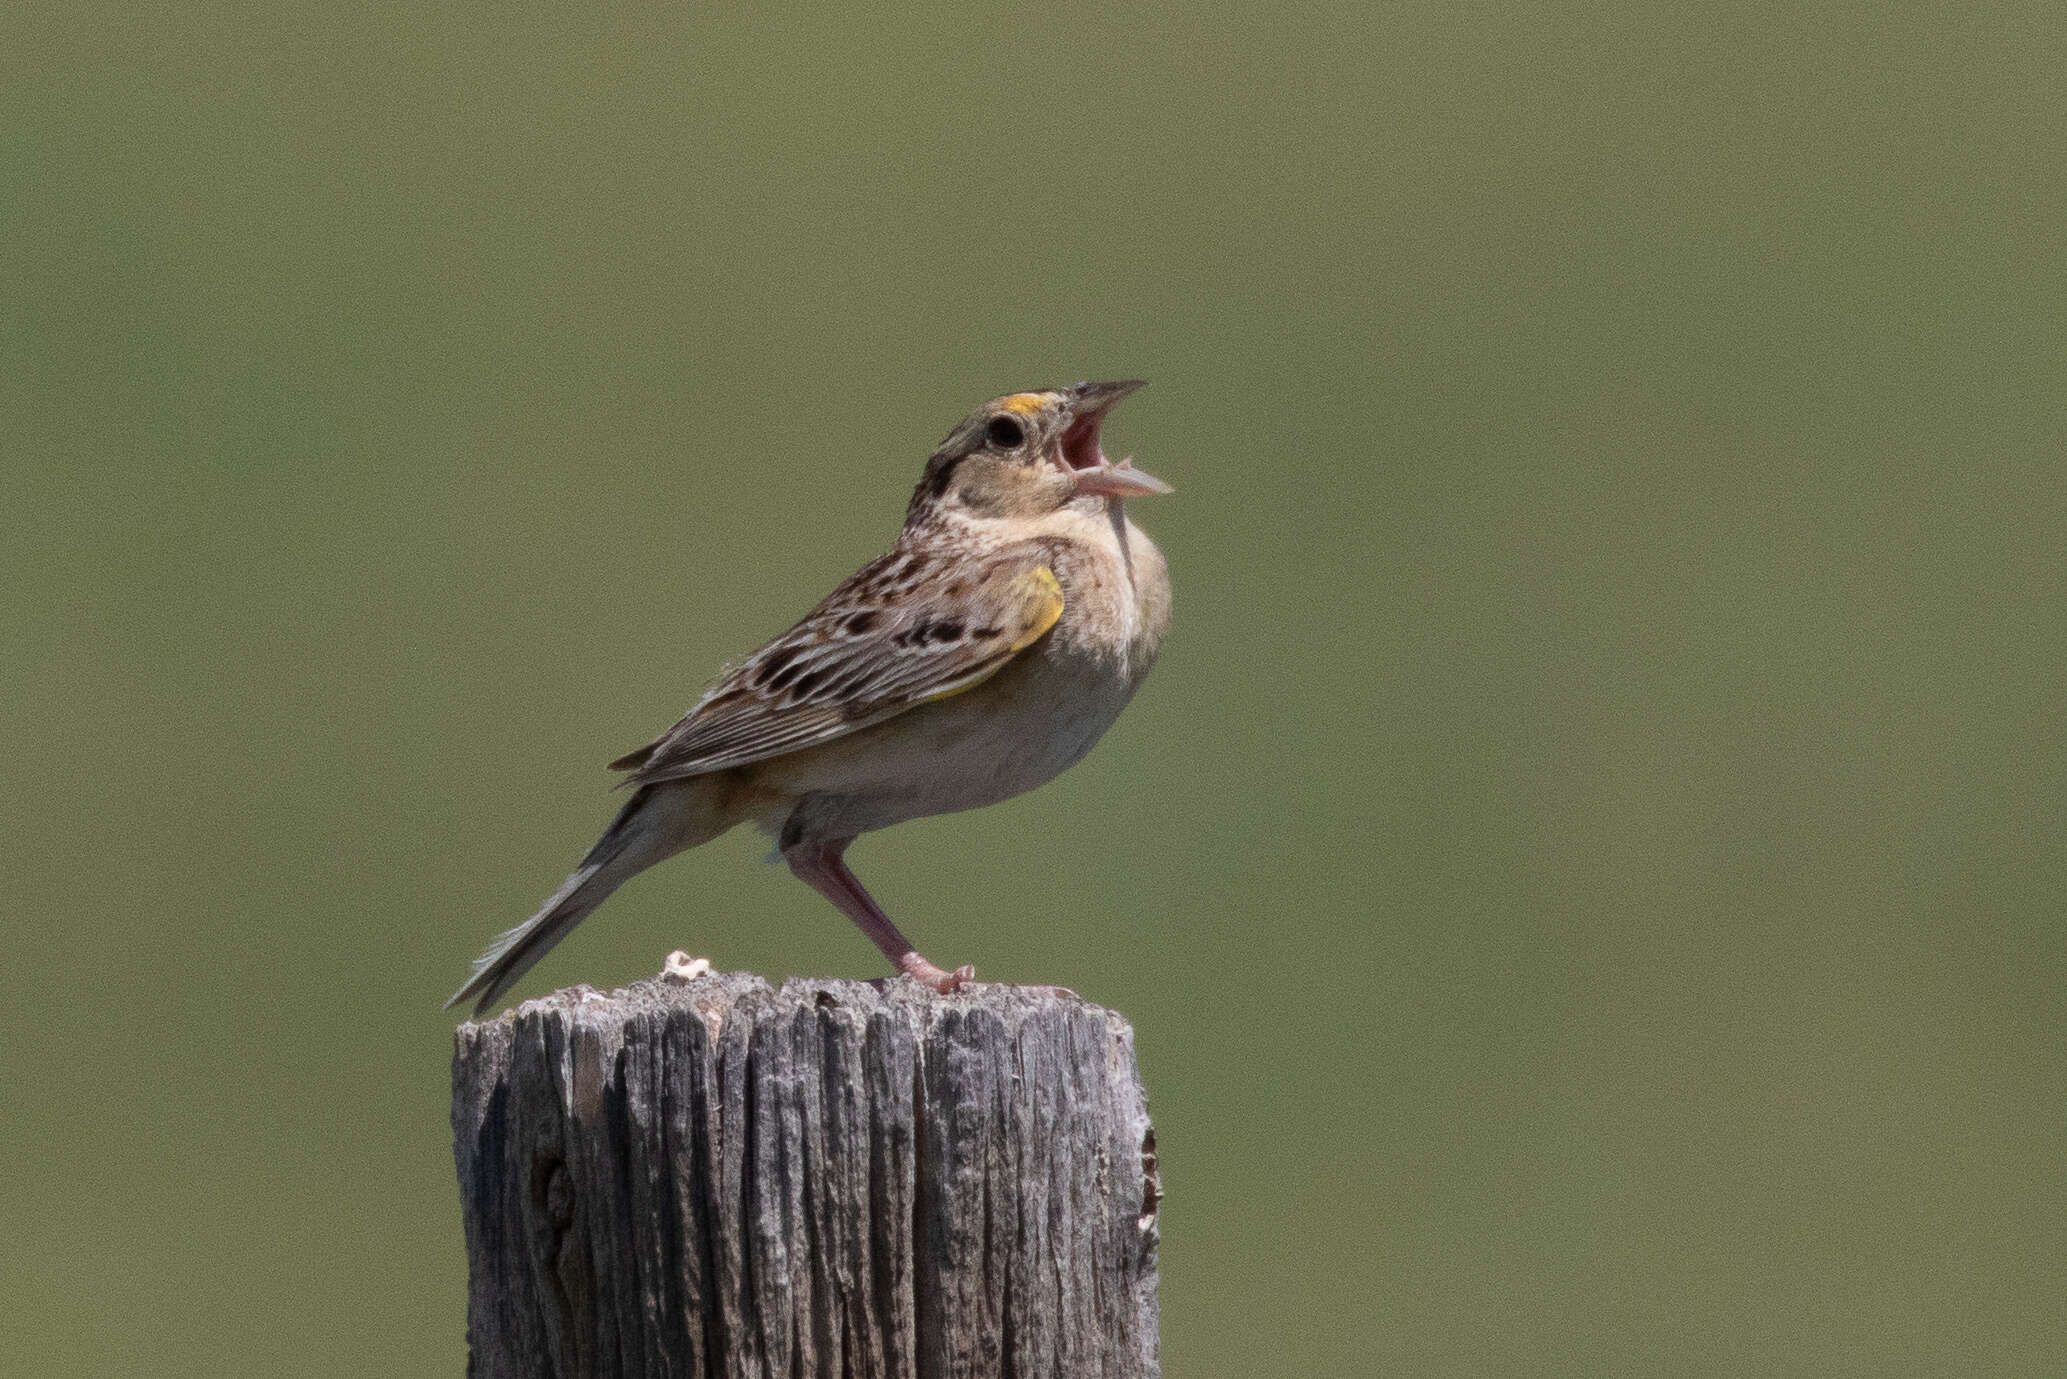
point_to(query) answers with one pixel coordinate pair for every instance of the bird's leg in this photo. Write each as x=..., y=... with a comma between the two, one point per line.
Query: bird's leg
x=819, y=866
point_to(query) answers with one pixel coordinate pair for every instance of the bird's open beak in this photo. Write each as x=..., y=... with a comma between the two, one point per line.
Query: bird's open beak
x=1096, y=475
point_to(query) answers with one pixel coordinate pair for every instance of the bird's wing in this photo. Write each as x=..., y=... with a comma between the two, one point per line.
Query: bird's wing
x=896, y=635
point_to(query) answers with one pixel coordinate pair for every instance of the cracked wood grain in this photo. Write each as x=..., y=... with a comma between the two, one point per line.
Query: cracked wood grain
x=716, y=1178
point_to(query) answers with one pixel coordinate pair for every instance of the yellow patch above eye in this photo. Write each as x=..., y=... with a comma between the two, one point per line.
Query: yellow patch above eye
x=1023, y=404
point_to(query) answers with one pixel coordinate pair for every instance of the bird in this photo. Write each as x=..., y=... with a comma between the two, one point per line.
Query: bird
x=984, y=654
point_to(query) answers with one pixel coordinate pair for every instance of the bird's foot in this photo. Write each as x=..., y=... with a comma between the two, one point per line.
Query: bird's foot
x=945, y=982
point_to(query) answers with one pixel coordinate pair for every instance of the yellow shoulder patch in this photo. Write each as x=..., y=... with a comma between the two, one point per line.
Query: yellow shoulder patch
x=1022, y=403
x=1043, y=595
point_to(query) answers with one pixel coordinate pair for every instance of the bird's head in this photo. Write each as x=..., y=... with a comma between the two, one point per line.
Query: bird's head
x=1027, y=454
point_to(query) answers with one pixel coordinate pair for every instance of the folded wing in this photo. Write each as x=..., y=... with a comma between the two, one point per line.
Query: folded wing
x=887, y=640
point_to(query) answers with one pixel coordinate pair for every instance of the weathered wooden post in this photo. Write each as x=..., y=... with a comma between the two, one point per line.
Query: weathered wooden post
x=712, y=1177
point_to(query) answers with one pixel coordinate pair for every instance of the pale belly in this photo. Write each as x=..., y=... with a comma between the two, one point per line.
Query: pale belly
x=1035, y=719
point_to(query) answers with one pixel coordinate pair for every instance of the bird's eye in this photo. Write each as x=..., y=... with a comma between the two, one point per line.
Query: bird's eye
x=1005, y=433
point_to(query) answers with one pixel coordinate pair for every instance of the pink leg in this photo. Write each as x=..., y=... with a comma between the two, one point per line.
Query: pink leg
x=819, y=866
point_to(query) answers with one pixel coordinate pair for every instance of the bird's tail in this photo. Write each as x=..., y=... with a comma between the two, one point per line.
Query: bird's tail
x=656, y=823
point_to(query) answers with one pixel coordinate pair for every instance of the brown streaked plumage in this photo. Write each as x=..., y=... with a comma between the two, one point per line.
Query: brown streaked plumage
x=982, y=655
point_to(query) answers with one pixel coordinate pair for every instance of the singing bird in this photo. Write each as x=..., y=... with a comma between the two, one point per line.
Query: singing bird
x=982, y=656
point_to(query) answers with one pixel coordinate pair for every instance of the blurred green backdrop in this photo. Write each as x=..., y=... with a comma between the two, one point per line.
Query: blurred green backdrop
x=1586, y=875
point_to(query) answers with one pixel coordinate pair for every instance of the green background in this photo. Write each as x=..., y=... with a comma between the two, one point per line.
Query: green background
x=1586, y=873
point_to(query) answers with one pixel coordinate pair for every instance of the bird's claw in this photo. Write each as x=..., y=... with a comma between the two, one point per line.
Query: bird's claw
x=945, y=982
